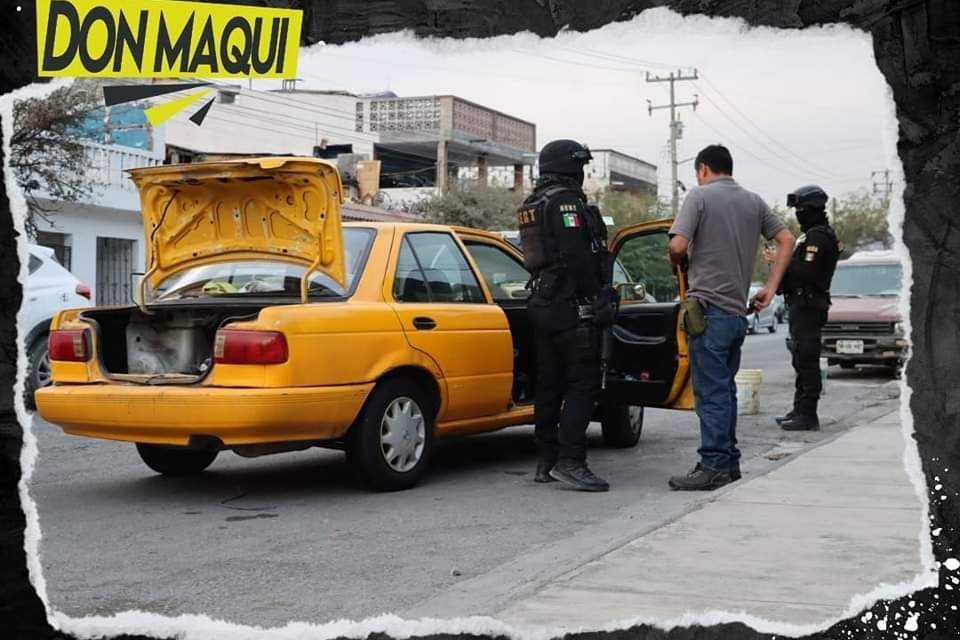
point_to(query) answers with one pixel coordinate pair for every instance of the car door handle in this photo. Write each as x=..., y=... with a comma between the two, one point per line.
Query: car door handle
x=424, y=324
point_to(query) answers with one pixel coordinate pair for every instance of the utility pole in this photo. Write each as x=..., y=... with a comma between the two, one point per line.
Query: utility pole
x=676, y=126
x=885, y=186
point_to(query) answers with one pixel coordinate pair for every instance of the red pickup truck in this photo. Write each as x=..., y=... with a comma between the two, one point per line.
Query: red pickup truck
x=865, y=325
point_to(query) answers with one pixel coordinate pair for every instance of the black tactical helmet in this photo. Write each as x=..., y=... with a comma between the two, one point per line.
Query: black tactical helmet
x=808, y=197
x=565, y=157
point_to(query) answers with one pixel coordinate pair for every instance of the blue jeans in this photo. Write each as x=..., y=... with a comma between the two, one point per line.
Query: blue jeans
x=715, y=360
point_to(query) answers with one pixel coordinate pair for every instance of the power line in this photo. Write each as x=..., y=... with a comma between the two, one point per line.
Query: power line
x=792, y=172
x=573, y=62
x=641, y=63
x=603, y=55
x=762, y=131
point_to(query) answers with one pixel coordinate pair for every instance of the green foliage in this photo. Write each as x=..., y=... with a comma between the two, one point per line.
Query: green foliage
x=471, y=204
x=860, y=220
x=46, y=154
x=628, y=208
x=645, y=260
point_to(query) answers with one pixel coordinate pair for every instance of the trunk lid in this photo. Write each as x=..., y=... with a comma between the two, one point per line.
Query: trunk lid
x=276, y=208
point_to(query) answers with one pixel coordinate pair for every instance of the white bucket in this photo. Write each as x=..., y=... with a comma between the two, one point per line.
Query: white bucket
x=748, y=391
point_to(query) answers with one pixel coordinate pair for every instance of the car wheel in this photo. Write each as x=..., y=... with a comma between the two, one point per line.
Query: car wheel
x=621, y=425
x=175, y=461
x=38, y=371
x=390, y=443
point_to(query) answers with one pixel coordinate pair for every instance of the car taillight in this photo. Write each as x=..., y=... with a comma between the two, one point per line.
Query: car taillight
x=69, y=345
x=239, y=346
x=83, y=290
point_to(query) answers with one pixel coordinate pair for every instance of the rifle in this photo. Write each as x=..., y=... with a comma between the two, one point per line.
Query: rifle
x=606, y=354
x=606, y=340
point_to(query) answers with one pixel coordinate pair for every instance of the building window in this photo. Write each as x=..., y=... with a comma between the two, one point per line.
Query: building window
x=61, y=245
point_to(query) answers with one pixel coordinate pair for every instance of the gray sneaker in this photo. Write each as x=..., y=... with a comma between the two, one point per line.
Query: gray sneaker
x=579, y=476
x=700, y=479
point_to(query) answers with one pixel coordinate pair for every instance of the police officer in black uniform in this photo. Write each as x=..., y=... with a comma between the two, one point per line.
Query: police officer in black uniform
x=564, y=245
x=806, y=287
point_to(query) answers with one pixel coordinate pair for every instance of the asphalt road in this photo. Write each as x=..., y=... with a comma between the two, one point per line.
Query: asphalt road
x=295, y=537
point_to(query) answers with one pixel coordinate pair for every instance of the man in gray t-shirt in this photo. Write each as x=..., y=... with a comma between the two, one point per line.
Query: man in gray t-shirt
x=715, y=239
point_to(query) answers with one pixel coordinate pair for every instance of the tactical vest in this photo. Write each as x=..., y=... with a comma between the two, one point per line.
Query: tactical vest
x=816, y=294
x=824, y=272
x=539, y=246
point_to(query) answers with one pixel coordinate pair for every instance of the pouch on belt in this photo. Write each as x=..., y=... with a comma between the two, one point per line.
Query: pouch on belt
x=691, y=317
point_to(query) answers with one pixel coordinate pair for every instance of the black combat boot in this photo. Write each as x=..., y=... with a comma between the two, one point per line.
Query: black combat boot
x=543, y=472
x=547, y=455
x=577, y=474
x=801, y=422
x=788, y=416
x=701, y=479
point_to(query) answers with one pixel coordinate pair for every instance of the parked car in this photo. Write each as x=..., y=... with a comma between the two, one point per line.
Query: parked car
x=763, y=319
x=49, y=288
x=780, y=308
x=864, y=325
x=263, y=325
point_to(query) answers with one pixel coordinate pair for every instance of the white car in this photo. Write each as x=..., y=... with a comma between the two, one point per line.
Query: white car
x=48, y=289
x=765, y=319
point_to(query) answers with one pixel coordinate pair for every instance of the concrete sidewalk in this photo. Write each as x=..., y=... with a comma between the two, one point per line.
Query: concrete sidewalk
x=794, y=545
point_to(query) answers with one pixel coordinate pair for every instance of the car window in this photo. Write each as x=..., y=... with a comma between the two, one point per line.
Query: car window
x=645, y=274
x=35, y=263
x=505, y=275
x=432, y=268
x=866, y=280
x=251, y=278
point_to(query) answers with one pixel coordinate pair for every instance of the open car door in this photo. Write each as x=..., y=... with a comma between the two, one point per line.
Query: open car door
x=650, y=365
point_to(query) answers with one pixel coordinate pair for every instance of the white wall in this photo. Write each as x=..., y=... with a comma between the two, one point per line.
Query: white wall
x=84, y=224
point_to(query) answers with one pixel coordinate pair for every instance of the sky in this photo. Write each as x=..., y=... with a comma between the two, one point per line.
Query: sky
x=794, y=107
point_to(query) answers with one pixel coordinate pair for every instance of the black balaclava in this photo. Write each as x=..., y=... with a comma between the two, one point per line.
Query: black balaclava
x=810, y=217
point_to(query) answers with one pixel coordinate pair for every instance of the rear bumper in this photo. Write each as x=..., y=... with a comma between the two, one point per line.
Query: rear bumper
x=879, y=349
x=172, y=415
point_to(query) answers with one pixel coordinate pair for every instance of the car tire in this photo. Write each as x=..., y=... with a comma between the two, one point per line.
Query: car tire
x=175, y=461
x=38, y=371
x=393, y=461
x=621, y=425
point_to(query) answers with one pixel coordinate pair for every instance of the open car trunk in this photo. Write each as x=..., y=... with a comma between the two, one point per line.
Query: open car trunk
x=173, y=345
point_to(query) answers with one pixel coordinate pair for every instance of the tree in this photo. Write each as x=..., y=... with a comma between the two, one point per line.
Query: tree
x=47, y=156
x=627, y=208
x=471, y=204
x=860, y=220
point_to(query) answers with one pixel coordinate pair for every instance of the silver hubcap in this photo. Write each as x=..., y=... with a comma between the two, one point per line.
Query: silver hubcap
x=44, y=378
x=403, y=435
x=636, y=418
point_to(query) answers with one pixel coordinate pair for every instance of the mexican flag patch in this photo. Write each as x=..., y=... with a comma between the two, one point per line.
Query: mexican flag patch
x=571, y=220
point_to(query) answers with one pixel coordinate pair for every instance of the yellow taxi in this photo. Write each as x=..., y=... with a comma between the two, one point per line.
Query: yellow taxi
x=262, y=324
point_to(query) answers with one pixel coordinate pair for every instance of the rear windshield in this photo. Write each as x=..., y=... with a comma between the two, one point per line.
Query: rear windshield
x=266, y=278
x=866, y=280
